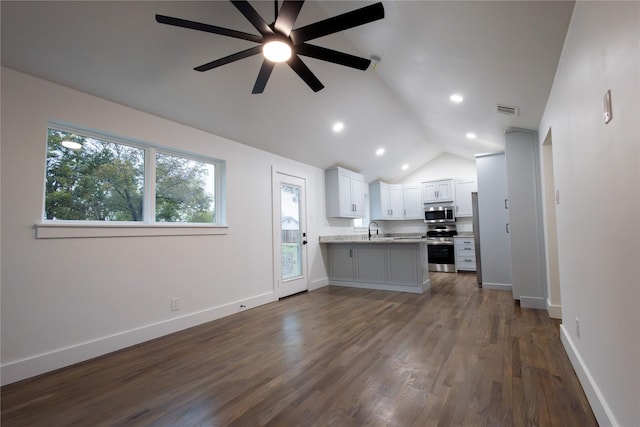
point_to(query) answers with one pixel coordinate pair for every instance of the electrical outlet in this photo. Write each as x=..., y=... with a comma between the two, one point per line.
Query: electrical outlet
x=243, y=307
x=175, y=304
x=578, y=327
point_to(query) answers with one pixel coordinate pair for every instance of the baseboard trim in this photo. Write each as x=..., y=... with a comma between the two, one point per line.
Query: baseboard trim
x=496, y=286
x=380, y=286
x=319, y=283
x=56, y=359
x=601, y=410
x=533, y=302
x=554, y=310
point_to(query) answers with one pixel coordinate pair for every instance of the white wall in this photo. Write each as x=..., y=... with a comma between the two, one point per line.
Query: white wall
x=596, y=169
x=65, y=300
x=444, y=166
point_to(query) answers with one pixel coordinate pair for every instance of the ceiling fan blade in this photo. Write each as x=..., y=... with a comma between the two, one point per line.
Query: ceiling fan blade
x=227, y=59
x=162, y=19
x=252, y=16
x=334, y=56
x=345, y=21
x=305, y=73
x=263, y=76
x=287, y=17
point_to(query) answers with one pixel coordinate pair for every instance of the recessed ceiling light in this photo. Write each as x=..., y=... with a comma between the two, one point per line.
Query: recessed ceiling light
x=72, y=145
x=338, y=126
x=471, y=135
x=405, y=167
x=457, y=98
x=379, y=151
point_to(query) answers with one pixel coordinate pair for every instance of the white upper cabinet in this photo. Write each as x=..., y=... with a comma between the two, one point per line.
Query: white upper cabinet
x=344, y=193
x=463, y=190
x=437, y=191
x=385, y=200
x=412, y=201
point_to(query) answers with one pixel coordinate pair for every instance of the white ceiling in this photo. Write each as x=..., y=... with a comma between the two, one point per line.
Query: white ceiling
x=490, y=51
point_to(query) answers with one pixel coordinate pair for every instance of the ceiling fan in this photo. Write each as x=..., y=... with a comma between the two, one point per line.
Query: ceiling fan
x=280, y=37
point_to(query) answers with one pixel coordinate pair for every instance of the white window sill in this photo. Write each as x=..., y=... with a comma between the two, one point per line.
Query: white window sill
x=82, y=230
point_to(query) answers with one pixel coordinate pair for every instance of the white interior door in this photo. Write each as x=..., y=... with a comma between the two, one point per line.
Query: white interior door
x=289, y=234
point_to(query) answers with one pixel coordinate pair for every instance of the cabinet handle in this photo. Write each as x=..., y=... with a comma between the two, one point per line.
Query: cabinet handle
x=456, y=208
x=506, y=204
x=391, y=212
x=467, y=260
x=405, y=212
x=507, y=227
x=467, y=249
x=350, y=253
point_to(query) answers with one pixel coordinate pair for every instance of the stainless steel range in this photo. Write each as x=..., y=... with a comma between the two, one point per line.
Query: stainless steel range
x=440, y=248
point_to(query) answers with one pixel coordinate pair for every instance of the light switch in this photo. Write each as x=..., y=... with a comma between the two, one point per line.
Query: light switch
x=607, y=107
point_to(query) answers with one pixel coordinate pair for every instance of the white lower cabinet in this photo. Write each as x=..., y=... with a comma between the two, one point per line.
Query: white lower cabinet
x=402, y=265
x=341, y=265
x=370, y=264
x=393, y=266
x=465, y=251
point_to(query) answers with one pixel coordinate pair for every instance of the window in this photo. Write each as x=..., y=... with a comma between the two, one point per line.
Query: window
x=184, y=190
x=98, y=178
x=90, y=179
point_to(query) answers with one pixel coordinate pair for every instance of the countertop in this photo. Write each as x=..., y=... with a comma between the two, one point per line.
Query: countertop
x=375, y=239
x=465, y=234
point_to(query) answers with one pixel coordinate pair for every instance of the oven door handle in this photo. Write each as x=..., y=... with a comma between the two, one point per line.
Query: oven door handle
x=439, y=244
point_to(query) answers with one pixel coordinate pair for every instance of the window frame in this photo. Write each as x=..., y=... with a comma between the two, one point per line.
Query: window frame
x=51, y=229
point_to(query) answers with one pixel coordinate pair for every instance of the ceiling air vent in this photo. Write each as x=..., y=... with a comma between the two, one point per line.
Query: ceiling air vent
x=505, y=109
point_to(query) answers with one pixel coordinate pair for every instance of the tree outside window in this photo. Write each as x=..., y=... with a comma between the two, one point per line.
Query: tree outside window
x=91, y=179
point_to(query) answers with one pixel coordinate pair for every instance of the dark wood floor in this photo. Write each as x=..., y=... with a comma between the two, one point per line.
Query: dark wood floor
x=456, y=355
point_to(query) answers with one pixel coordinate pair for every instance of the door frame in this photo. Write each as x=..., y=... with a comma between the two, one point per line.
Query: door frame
x=276, y=228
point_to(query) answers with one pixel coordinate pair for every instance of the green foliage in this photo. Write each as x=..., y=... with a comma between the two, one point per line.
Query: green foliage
x=180, y=190
x=104, y=181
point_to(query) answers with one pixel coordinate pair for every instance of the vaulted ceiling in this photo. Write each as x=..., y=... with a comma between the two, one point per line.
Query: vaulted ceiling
x=491, y=52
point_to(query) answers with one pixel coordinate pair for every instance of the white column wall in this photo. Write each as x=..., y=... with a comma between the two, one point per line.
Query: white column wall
x=596, y=170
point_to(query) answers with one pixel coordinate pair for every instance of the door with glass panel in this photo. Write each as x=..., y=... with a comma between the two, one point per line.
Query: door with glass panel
x=290, y=235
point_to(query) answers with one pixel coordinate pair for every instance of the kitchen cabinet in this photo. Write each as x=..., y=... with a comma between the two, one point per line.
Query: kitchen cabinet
x=412, y=201
x=465, y=251
x=493, y=216
x=385, y=201
x=437, y=191
x=402, y=266
x=341, y=262
x=377, y=265
x=344, y=193
x=370, y=264
x=463, y=190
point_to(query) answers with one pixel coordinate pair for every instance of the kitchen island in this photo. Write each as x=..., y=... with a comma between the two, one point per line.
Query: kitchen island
x=391, y=263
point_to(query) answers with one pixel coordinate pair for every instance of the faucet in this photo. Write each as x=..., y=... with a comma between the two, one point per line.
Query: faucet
x=372, y=222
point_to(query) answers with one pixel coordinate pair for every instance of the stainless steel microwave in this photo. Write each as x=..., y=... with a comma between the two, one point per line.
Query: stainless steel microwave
x=438, y=214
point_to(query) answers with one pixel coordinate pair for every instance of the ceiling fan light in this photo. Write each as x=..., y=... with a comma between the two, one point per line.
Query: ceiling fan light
x=276, y=51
